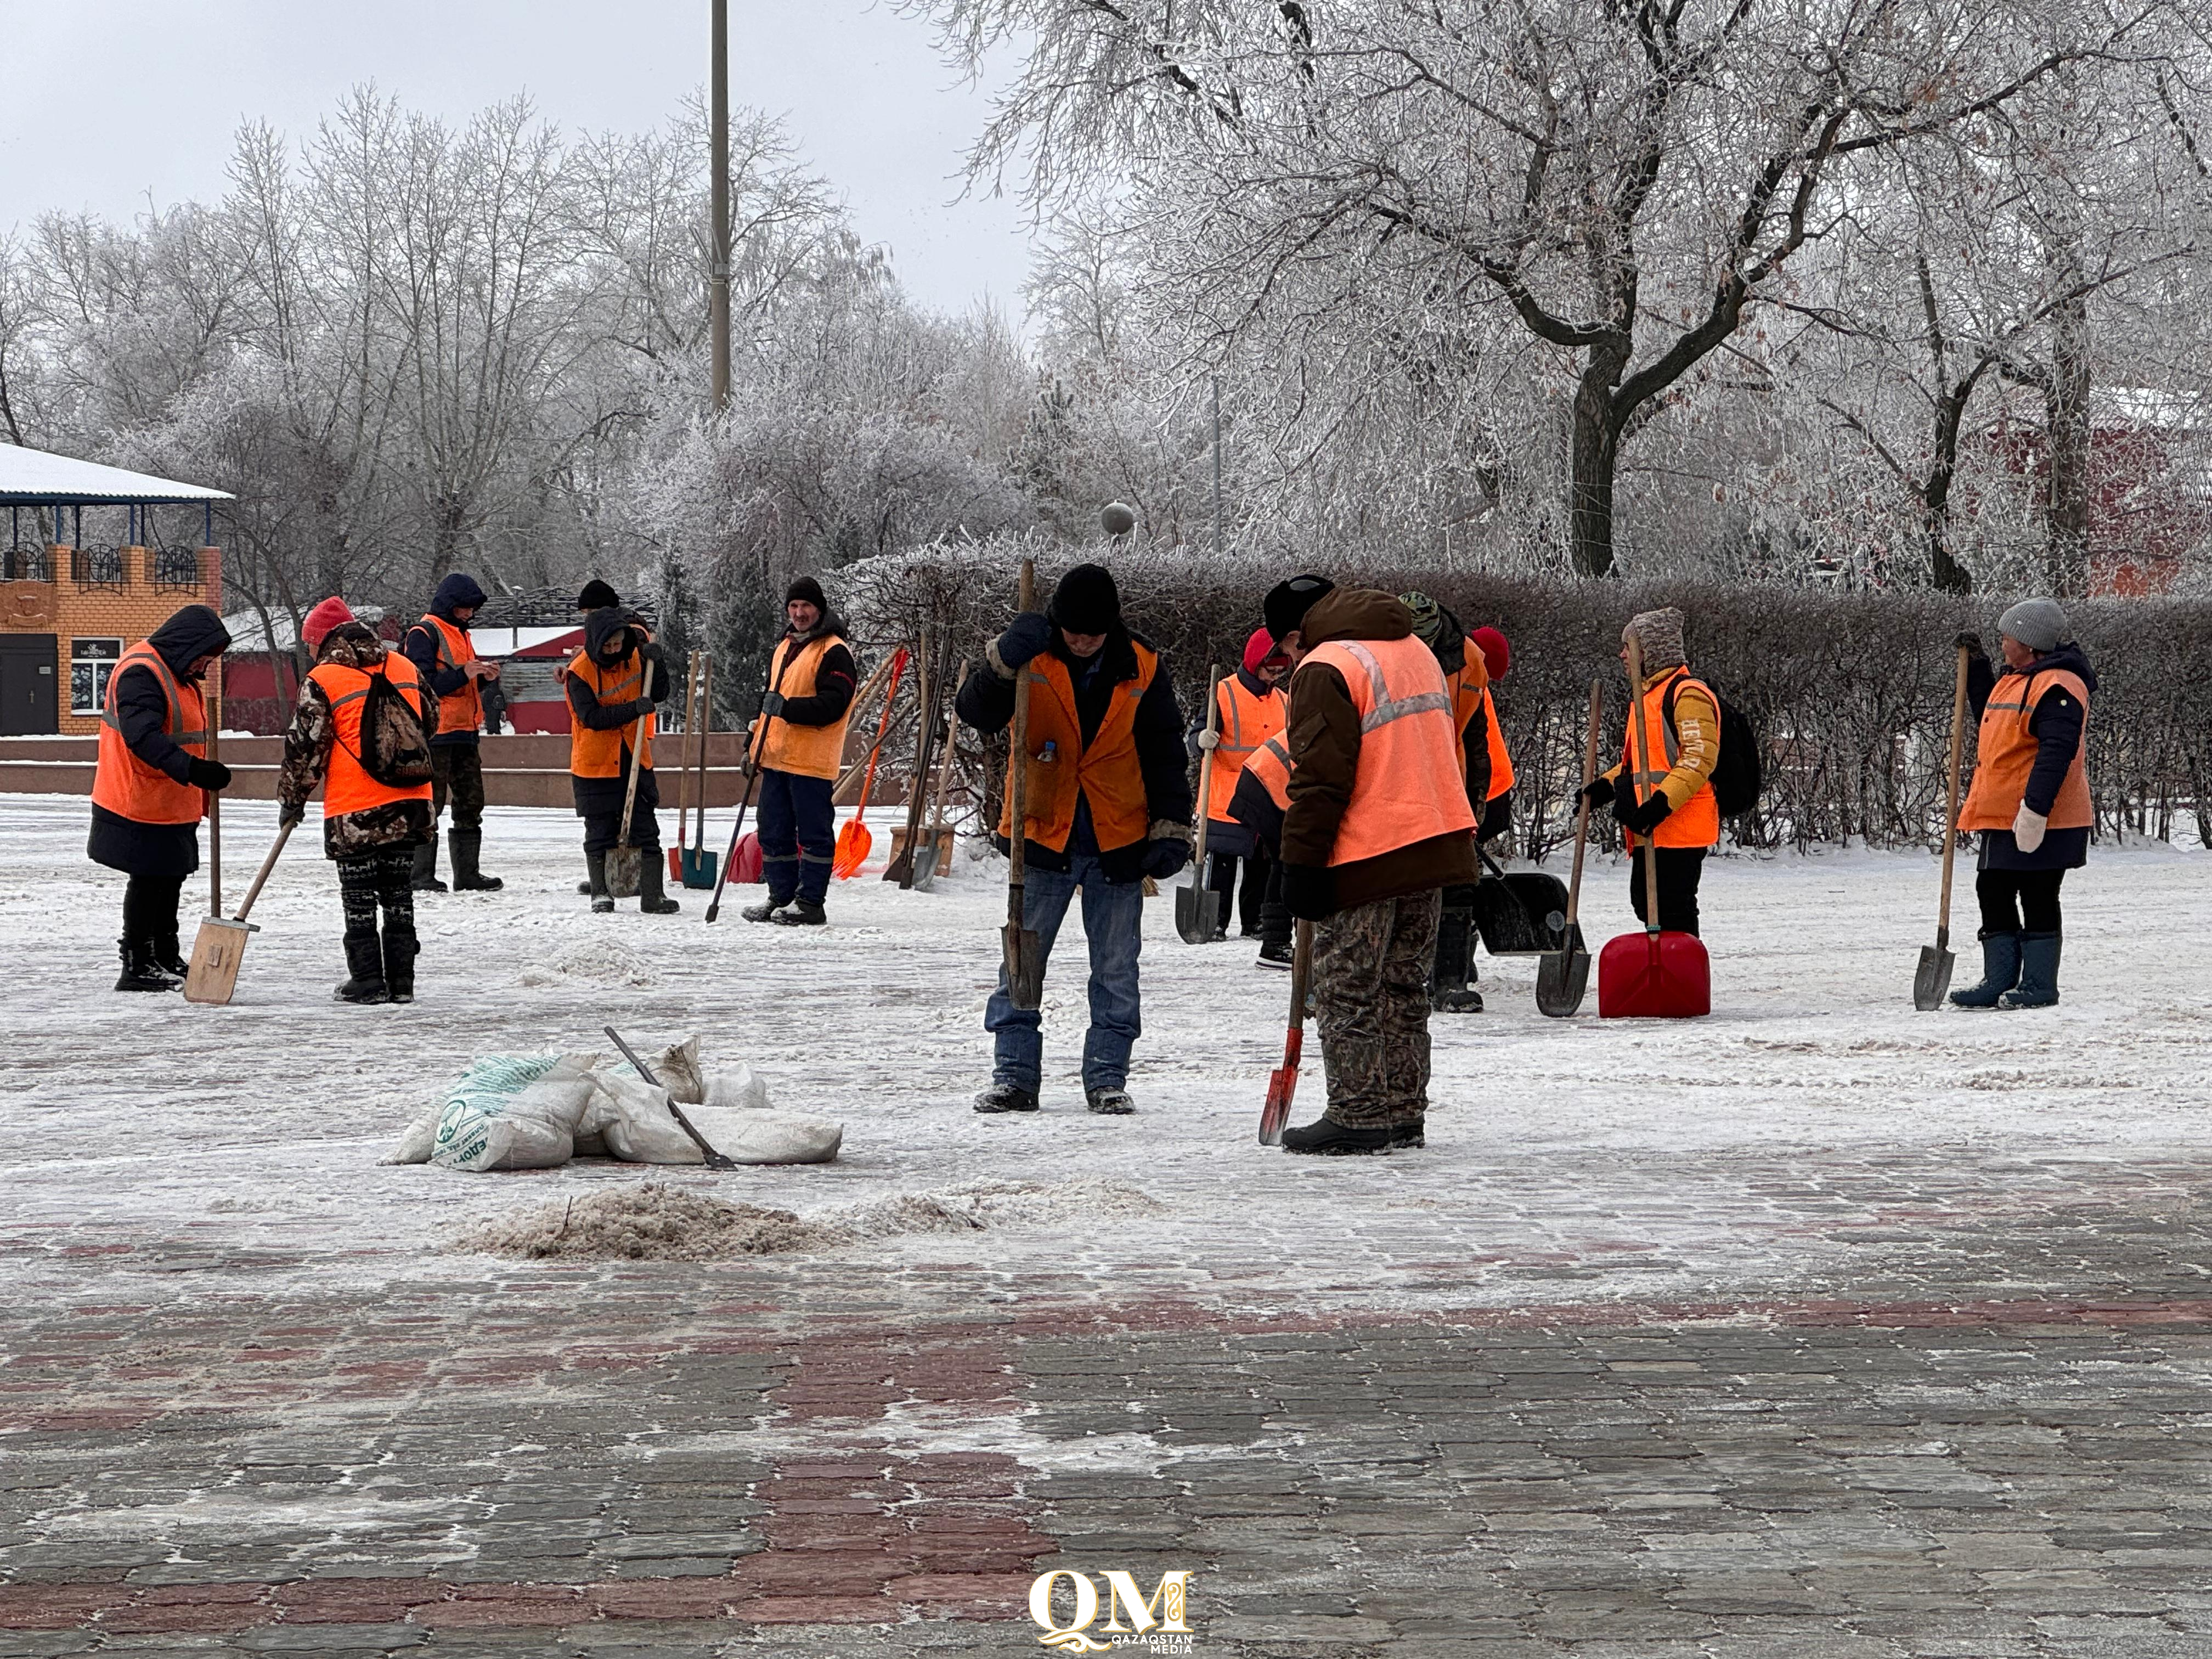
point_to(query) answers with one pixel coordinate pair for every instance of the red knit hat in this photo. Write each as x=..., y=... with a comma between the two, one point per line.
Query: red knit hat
x=1496, y=655
x=1258, y=649
x=331, y=613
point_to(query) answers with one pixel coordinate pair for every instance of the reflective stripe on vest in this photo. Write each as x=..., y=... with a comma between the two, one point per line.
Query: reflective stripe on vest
x=1247, y=722
x=128, y=786
x=1696, y=821
x=1271, y=764
x=461, y=710
x=810, y=751
x=1408, y=788
x=1106, y=773
x=347, y=786
x=2005, y=751
x=599, y=754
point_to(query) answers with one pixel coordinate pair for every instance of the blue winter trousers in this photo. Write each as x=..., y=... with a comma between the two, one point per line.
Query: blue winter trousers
x=1113, y=918
x=798, y=836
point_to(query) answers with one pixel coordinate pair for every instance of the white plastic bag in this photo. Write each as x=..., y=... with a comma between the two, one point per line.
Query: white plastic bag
x=512, y=1112
x=757, y=1135
x=740, y=1089
x=633, y=1119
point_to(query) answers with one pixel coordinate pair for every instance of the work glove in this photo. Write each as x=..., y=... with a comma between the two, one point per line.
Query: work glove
x=1166, y=850
x=1209, y=741
x=290, y=813
x=641, y=708
x=1970, y=644
x=1642, y=817
x=1309, y=891
x=1598, y=792
x=772, y=704
x=2028, y=828
x=206, y=774
x=1028, y=636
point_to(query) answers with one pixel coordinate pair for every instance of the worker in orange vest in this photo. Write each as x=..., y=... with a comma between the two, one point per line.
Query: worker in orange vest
x=613, y=685
x=1106, y=802
x=1378, y=824
x=1261, y=796
x=151, y=786
x=1466, y=677
x=446, y=659
x=1249, y=705
x=1497, y=808
x=2030, y=799
x=812, y=679
x=1666, y=810
x=371, y=831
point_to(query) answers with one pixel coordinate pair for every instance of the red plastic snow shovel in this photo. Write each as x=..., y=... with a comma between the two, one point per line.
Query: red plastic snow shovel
x=854, y=841
x=1283, y=1081
x=1652, y=975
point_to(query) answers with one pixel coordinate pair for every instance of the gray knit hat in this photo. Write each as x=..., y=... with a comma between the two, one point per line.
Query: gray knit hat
x=2039, y=624
x=1658, y=635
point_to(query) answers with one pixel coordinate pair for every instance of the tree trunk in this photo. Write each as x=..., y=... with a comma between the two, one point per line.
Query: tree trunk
x=2066, y=416
x=1597, y=453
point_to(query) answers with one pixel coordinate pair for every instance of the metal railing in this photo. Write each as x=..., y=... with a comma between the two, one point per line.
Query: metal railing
x=26, y=564
x=98, y=567
x=176, y=566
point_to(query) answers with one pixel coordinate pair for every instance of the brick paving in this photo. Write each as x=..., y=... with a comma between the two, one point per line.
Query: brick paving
x=1969, y=1416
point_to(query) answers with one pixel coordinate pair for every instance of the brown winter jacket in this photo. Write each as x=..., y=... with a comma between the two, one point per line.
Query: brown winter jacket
x=307, y=757
x=1323, y=738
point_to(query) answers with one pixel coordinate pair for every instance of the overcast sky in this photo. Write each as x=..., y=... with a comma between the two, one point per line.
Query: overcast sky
x=111, y=102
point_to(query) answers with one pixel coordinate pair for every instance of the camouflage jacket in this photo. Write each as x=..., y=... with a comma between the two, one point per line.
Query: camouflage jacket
x=307, y=756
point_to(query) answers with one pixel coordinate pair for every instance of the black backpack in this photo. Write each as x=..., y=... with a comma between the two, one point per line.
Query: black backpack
x=1739, y=775
x=395, y=746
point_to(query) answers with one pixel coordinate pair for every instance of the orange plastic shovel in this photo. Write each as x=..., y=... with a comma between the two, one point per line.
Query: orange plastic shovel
x=854, y=842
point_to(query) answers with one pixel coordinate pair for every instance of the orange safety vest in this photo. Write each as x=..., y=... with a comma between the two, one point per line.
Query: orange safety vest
x=347, y=786
x=2005, y=754
x=1246, y=723
x=812, y=752
x=1410, y=786
x=1469, y=685
x=1107, y=773
x=1696, y=821
x=1501, y=763
x=1271, y=764
x=461, y=710
x=599, y=754
x=127, y=786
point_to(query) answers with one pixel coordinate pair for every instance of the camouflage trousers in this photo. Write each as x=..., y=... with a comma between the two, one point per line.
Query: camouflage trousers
x=1371, y=971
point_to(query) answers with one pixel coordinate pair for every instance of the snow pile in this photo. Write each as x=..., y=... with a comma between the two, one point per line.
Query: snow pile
x=593, y=959
x=652, y=1222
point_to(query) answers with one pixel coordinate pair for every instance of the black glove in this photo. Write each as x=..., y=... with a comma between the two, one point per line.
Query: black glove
x=1028, y=636
x=1309, y=891
x=290, y=814
x=1597, y=791
x=641, y=708
x=1164, y=856
x=1970, y=644
x=772, y=704
x=1642, y=819
x=206, y=774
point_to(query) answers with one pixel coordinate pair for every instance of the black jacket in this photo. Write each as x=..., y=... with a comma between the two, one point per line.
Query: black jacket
x=456, y=592
x=986, y=701
x=586, y=710
x=834, y=679
x=158, y=850
x=2055, y=721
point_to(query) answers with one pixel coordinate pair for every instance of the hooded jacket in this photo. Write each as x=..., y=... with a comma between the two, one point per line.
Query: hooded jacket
x=307, y=743
x=457, y=592
x=156, y=850
x=1323, y=739
x=602, y=795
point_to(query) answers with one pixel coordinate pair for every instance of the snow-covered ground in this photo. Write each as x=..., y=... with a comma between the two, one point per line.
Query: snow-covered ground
x=137, y=1123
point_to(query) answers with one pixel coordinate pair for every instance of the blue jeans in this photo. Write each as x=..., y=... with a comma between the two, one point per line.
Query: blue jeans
x=1113, y=918
x=798, y=836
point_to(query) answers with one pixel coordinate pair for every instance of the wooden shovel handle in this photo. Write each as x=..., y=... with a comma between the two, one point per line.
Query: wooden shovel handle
x=1582, y=816
x=630, y=795
x=261, y=877
x=1206, y=772
x=1017, y=746
x=1639, y=757
x=1951, y=797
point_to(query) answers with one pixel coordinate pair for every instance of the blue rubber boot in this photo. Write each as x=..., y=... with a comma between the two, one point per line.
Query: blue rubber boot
x=2039, y=973
x=2000, y=971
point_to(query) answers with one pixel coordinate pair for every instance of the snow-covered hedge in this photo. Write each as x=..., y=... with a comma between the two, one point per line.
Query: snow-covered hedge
x=1852, y=692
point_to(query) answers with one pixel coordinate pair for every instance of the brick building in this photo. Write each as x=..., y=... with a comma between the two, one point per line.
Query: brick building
x=95, y=558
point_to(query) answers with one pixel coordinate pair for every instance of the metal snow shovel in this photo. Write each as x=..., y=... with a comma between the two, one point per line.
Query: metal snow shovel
x=714, y=1160
x=1283, y=1081
x=1931, y=982
x=1563, y=976
x=855, y=840
x=1025, y=956
x=924, y=861
x=624, y=863
x=699, y=862
x=221, y=945
x=1197, y=907
x=1653, y=975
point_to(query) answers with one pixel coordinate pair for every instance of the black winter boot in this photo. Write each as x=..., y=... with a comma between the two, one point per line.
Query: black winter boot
x=1004, y=1097
x=603, y=898
x=467, y=846
x=400, y=951
x=1109, y=1103
x=767, y=910
x=800, y=913
x=2039, y=973
x=2000, y=970
x=653, y=898
x=1413, y=1132
x=167, y=959
x=364, y=970
x=140, y=971
x=1450, y=988
x=1336, y=1139
x=425, y=879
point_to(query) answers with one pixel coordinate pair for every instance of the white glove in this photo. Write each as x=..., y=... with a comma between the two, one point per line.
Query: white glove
x=1209, y=741
x=2028, y=829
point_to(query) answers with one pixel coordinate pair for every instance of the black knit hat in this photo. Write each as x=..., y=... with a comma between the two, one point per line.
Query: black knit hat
x=1086, y=601
x=1287, y=603
x=596, y=596
x=806, y=588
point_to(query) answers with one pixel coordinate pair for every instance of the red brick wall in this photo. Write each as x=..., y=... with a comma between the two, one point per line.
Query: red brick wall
x=128, y=612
